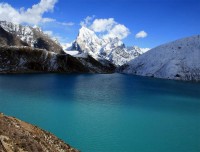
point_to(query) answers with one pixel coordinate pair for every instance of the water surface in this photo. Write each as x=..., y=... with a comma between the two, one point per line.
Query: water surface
x=108, y=113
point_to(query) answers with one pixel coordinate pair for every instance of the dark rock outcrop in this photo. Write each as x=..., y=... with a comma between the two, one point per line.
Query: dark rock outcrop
x=97, y=66
x=43, y=42
x=26, y=59
x=19, y=136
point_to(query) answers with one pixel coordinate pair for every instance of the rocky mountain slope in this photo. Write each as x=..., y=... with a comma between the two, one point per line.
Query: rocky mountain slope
x=17, y=56
x=179, y=60
x=110, y=49
x=33, y=36
x=26, y=60
x=19, y=136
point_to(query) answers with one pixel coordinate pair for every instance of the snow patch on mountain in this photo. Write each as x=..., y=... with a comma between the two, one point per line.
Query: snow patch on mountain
x=179, y=60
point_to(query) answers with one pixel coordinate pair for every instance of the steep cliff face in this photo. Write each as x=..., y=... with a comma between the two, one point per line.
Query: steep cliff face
x=19, y=136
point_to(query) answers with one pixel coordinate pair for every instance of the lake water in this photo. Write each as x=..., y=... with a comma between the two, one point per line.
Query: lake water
x=107, y=112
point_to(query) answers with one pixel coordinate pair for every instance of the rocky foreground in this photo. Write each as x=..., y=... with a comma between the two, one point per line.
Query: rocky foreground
x=19, y=136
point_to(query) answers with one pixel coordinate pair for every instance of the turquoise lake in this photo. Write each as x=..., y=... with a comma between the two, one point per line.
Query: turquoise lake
x=107, y=112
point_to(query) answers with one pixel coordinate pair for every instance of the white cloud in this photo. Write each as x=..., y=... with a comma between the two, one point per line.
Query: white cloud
x=102, y=25
x=87, y=21
x=33, y=15
x=141, y=34
x=120, y=31
x=109, y=28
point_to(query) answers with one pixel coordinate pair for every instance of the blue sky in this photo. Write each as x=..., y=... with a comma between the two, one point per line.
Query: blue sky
x=162, y=20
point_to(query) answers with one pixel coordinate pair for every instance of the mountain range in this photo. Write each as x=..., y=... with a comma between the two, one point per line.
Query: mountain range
x=29, y=49
x=110, y=49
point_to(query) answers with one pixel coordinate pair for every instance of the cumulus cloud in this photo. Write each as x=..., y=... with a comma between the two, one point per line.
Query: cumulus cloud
x=107, y=28
x=33, y=15
x=141, y=34
x=120, y=31
x=102, y=25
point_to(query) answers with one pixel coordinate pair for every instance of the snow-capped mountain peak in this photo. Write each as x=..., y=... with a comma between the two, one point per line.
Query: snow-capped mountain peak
x=112, y=49
x=89, y=41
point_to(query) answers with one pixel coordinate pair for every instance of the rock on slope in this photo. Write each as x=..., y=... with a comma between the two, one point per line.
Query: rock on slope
x=33, y=36
x=19, y=136
x=179, y=60
x=110, y=49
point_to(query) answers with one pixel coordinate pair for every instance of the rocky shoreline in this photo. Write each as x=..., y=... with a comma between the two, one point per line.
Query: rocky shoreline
x=19, y=136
